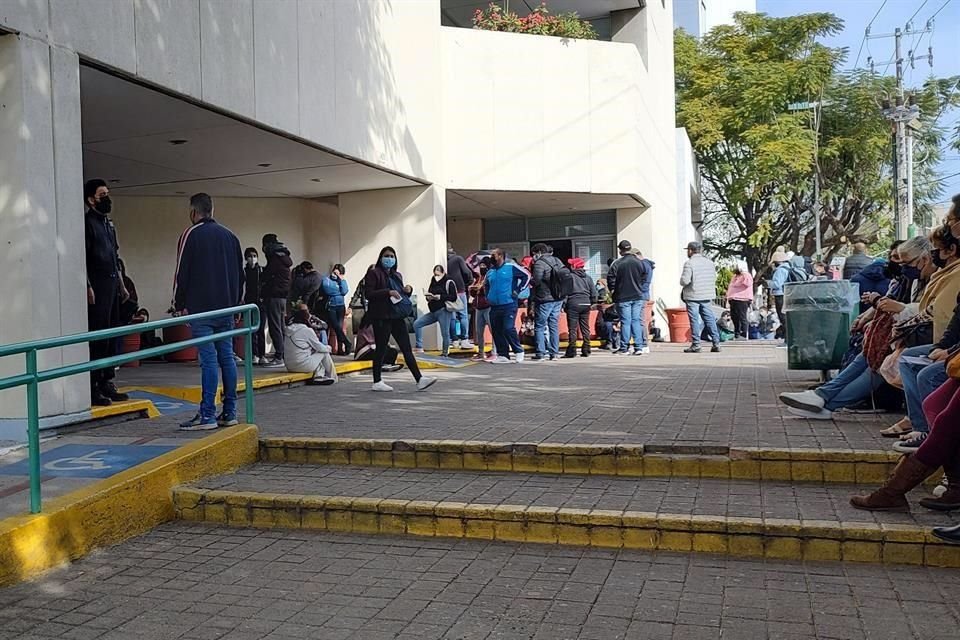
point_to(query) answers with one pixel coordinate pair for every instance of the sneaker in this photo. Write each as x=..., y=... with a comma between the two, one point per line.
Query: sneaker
x=466, y=344
x=552, y=357
x=782, y=344
x=274, y=363
x=803, y=400
x=694, y=348
x=620, y=352
x=381, y=386
x=822, y=414
x=110, y=390
x=518, y=357
x=320, y=381
x=715, y=349
x=477, y=357
x=637, y=352
x=911, y=444
x=97, y=399
x=197, y=423
x=645, y=350
x=941, y=488
x=567, y=356
x=237, y=359
x=390, y=368
x=418, y=350
x=492, y=358
x=500, y=360
x=456, y=344
x=223, y=420
x=537, y=357
x=425, y=383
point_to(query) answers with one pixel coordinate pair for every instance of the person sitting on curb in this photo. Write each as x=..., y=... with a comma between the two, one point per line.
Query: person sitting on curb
x=303, y=352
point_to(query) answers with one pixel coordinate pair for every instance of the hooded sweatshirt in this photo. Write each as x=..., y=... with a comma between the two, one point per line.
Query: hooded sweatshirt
x=305, y=285
x=584, y=291
x=872, y=279
x=277, y=278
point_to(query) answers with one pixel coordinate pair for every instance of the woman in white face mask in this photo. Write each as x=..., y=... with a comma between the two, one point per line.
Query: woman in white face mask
x=251, y=295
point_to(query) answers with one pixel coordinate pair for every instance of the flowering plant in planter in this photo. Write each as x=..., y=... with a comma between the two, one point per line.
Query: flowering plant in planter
x=539, y=22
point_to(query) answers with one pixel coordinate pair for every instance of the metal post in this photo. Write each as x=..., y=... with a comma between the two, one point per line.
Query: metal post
x=909, y=159
x=248, y=366
x=33, y=431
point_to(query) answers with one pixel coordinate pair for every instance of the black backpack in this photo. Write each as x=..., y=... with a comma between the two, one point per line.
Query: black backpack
x=795, y=274
x=561, y=280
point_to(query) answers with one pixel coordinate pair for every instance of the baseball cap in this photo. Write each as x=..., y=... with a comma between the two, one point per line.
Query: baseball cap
x=694, y=246
x=624, y=245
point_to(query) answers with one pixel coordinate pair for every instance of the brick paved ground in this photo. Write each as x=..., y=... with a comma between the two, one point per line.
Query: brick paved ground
x=739, y=498
x=200, y=583
x=666, y=398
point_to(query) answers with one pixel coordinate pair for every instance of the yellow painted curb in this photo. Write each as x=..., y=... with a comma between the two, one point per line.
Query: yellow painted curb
x=116, y=508
x=123, y=408
x=793, y=465
x=770, y=538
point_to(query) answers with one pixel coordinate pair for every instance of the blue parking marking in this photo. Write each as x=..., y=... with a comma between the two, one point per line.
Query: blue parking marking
x=88, y=460
x=166, y=405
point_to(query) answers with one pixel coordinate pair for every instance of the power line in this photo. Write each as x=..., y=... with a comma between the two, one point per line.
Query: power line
x=910, y=19
x=867, y=30
x=940, y=179
x=946, y=2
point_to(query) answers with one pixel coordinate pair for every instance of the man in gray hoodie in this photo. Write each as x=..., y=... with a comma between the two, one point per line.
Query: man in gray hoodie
x=699, y=282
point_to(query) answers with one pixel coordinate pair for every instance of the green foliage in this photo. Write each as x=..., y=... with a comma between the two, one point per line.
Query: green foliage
x=724, y=276
x=537, y=22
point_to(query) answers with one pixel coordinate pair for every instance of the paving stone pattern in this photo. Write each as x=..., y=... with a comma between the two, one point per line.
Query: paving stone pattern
x=667, y=398
x=195, y=582
x=685, y=496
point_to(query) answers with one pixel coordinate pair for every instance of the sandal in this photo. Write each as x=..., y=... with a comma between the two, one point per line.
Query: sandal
x=900, y=428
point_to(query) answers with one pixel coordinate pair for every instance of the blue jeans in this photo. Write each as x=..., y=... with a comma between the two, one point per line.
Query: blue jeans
x=612, y=337
x=852, y=385
x=503, y=326
x=214, y=356
x=441, y=317
x=548, y=319
x=919, y=382
x=631, y=325
x=700, y=312
x=464, y=317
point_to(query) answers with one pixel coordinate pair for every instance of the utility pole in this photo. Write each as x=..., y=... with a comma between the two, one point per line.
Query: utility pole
x=904, y=118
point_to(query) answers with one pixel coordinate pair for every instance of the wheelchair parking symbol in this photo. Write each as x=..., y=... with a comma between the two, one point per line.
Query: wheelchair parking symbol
x=88, y=460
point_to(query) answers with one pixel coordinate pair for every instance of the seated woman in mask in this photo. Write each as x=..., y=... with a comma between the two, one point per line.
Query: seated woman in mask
x=303, y=351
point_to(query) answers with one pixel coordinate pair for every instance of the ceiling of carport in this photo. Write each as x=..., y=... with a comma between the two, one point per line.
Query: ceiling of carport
x=145, y=142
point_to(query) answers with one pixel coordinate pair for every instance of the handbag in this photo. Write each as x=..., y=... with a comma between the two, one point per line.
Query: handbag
x=403, y=307
x=454, y=305
x=890, y=369
x=913, y=334
x=876, y=340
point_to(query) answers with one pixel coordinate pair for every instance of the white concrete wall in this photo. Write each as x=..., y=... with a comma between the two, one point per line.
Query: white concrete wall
x=688, y=191
x=358, y=76
x=41, y=220
x=148, y=229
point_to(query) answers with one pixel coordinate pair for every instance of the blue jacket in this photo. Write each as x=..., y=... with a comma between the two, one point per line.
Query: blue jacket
x=505, y=283
x=872, y=278
x=209, y=272
x=335, y=290
x=780, y=277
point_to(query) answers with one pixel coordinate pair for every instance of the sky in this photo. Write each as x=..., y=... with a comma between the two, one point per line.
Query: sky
x=856, y=14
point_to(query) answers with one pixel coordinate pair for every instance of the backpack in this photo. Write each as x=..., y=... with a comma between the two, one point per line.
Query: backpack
x=318, y=303
x=561, y=281
x=795, y=274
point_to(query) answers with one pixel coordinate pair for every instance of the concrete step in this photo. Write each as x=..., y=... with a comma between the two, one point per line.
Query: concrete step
x=633, y=460
x=808, y=521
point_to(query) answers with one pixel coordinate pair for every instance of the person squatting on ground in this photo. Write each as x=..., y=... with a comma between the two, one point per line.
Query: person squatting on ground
x=699, y=282
x=388, y=307
x=209, y=276
x=504, y=282
x=304, y=352
x=105, y=288
x=581, y=299
x=275, y=285
x=628, y=280
x=440, y=295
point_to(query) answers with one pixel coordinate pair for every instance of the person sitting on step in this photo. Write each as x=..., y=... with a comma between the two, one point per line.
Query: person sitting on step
x=304, y=353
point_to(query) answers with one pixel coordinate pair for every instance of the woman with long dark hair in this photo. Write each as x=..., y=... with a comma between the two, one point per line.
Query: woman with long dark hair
x=388, y=305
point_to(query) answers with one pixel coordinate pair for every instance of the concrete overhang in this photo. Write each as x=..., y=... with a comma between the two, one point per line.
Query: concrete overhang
x=467, y=204
x=459, y=13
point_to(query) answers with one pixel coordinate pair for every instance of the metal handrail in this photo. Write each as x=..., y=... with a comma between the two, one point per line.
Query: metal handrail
x=33, y=376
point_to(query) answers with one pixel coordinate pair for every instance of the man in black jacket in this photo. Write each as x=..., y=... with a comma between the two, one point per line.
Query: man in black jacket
x=275, y=289
x=581, y=298
x=252, y=273
x=548, y=301
x=629, y=280
x=462, y=276
x=210, y=277
x=105, y=288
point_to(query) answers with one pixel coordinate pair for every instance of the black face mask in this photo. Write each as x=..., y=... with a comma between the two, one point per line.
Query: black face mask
x=104, y=205
x=893, y=269
x=938, y=261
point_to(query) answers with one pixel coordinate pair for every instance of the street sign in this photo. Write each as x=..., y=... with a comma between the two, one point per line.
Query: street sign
x=88, y=460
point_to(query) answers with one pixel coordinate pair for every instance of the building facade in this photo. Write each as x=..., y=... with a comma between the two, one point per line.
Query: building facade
x=697, y=17
x=340, y=126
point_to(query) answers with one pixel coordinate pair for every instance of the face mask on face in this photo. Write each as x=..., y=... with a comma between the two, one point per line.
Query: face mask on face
x=104, y=205
x=438, y=277
x=938, y=260
x=893, y=269
x=911, y=271
x=252, y=261
x=388, y=262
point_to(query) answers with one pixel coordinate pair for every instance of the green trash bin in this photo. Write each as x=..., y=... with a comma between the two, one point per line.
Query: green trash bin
x=819, y=314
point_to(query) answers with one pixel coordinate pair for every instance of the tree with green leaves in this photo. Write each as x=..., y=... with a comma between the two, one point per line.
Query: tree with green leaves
x=768, y=113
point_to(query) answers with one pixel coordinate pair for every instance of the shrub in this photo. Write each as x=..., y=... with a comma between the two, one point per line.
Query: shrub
x=539, y=22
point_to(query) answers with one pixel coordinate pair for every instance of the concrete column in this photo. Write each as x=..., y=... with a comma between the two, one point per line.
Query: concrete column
x=41, y=222
x=654, y=231
x=412, y=220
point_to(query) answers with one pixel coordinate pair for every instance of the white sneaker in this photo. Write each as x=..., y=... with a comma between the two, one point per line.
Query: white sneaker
x=645, y=350
x=803, y=400
x=822, y=414
x=425, y=383
x=500, y=360
x=381, y=386
x=518, y=357
x=456, y=344
x=466, y=344
x=418, y=350
x=941, y=488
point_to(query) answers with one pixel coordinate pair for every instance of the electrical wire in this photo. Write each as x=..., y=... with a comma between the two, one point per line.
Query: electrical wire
x=864, y=39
